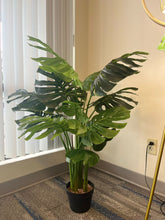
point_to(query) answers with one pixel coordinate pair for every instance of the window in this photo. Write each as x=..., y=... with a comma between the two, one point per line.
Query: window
x=52, y=22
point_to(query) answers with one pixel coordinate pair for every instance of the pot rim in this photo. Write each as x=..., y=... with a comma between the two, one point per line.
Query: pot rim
x=89, y=182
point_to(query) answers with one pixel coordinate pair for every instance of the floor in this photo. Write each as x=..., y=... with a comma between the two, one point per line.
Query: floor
x=113, y=199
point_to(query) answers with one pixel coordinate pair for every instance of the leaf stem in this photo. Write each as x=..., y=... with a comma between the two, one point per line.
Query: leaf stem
x=71, y=174
x=88, y=103
x=67, y=140
x=85, y=184
x=63, y=142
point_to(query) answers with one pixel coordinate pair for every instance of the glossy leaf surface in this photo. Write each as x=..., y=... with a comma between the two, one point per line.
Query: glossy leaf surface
x=78, y=155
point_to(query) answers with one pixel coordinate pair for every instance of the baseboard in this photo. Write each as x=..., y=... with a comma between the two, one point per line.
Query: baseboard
x=25, y=181
x=130, y=176
x=20, y=183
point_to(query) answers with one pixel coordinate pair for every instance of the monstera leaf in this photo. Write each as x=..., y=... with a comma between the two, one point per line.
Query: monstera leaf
x=32, y=125
x=30, y=102
x=106, y=79
x=116, y=99
x=53, y=92
x=104, y=126
x=56, y=64
x=41, y=127
x=48, y=96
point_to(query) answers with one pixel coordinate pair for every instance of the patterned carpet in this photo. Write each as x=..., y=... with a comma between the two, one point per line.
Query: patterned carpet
x=113, y=199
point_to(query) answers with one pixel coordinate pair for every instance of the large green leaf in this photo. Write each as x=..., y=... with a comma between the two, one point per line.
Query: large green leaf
x=114, y=114
x=100, y=147
x=89, y=80
x=69, y=108
x=43, y=46
x=73, y=109
x=36, y=124
x=116, y=70
x=76, y=127
x=87, y=156
x=29, y=102
x=54, y=92
x=116, y=99
x=104, y=126
x=56, y=64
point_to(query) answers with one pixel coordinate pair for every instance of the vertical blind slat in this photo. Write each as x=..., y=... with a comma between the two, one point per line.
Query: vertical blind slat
x=1, y=101
x=43, y=143
x=8, y=78
x=18, y=65
x=30, y=27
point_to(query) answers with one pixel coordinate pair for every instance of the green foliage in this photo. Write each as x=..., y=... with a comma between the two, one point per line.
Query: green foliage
x=86, y=156
x=30, y=102
x=116, y=70
x=116, y=99
x=55, y=65
x=162, y=44
x=61, y=104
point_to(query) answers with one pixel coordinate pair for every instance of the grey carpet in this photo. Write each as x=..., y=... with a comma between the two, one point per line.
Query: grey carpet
x=113, y=199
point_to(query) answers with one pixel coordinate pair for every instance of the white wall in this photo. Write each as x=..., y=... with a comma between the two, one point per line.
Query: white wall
x=81, y=37
x=116, y=27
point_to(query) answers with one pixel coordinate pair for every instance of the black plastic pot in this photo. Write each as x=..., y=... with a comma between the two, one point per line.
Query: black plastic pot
x=80, y=202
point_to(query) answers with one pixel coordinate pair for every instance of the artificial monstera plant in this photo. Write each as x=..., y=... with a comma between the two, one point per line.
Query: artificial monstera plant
x=61, y=104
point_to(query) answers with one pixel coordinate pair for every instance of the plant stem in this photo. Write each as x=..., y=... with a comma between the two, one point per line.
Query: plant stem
x=88, y=103
x=80, y=174
x=63, y=142
x=75, y=177
x=77, y=142
x=68, y=140
x=71, y=174
x=85, y=185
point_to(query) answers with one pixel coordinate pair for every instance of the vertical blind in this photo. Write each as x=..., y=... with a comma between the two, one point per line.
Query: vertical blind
x=52, y=22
